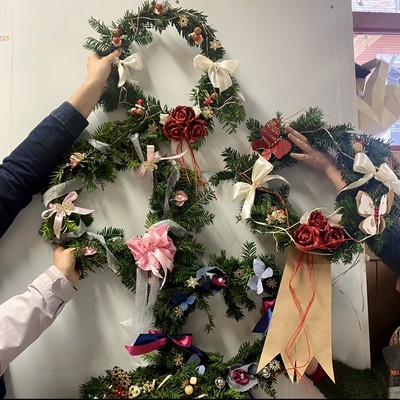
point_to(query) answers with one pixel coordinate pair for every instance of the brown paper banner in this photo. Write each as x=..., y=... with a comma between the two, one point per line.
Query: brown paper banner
x=300, y=327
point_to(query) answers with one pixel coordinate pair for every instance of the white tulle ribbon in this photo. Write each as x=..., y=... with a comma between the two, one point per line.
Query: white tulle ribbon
x=384, y=173
x=142, y=314
x=219, y=73
x=245, y=191
x=126, y=68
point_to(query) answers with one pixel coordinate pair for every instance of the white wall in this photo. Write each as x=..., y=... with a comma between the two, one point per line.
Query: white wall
x=292, y=55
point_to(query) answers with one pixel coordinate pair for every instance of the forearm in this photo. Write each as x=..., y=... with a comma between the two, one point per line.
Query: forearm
x=25, y=172
x=85, y=98
x=24, y=317
x=335, y=176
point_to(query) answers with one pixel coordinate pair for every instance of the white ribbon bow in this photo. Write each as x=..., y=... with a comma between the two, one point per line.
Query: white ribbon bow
x=245, y=191
x=384, y=173
x=126, y=67
x=219, y=73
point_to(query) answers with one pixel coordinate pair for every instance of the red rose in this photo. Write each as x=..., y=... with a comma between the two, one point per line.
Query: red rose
x=308, y=237
x=195, y=130
x=182, y=114
x=174, y=131
x=333, y=237
x=240, y=376
x=318, y=219
x=219, y=282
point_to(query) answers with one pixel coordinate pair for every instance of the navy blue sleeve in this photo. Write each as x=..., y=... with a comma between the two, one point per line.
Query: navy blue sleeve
x=25, y=172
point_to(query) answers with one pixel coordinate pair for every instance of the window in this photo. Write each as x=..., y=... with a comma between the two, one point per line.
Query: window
x=376, y=27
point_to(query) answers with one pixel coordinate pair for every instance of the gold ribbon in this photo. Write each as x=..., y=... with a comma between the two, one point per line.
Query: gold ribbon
x=300, y=327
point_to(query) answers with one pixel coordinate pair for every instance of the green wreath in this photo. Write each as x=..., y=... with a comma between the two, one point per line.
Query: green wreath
x=367, y=165
x=177, y=211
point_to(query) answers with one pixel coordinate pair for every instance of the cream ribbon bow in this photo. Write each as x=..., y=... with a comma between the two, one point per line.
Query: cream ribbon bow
x=384, y=174
x=245, y=191
x=126, y=67
x=219, y=73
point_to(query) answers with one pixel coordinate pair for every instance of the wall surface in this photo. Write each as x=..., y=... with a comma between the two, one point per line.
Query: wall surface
x=292, y=55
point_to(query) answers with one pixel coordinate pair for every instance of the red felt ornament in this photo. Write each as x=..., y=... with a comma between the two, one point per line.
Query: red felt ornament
x=272, y=142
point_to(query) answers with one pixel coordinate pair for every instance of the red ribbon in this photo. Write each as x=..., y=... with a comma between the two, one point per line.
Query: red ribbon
x=145, y=343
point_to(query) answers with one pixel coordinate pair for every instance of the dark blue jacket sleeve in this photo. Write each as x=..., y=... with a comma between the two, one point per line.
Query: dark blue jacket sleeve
x=25, y=172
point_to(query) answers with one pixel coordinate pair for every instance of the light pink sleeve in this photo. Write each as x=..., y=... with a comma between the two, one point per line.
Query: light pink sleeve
x=24, y=317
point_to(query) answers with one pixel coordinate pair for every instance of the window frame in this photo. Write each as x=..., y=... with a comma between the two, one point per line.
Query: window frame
x=376, y=23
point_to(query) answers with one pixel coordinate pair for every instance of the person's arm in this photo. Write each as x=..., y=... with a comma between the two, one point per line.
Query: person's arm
x=315, y=158
x=25, y=172
x=24, y=317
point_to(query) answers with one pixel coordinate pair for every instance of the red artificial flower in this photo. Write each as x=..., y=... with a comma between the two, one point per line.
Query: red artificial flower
x=174, y=131
x=219, y=282
x=182, y=114
x=333, y=237
x=184, y=124
x=195, y=130
x=308, y=237
x=240, y=376
x=318, y=220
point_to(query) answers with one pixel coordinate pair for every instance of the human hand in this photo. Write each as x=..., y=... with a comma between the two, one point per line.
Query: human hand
x=85, y=98
x=99, y=68
x=315, y=158
x=64, y=259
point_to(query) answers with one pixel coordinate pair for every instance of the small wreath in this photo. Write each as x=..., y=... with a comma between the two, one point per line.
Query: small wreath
x=164, y=264
x=367, y=210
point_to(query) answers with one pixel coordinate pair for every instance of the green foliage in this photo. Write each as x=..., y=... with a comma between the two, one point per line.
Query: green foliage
x=125, y=145
x=352, y=383
x=338, y=142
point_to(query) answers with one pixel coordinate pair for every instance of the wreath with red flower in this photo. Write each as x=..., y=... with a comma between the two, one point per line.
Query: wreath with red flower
x=371, y=196
x=367, y=211
x=164, y=265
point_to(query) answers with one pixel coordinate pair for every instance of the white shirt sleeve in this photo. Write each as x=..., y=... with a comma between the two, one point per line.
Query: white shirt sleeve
x=24, y=317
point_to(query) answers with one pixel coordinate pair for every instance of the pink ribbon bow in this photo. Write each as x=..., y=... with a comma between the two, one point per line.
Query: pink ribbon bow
x=153, y=157
x=155, y=250
x=67, y=207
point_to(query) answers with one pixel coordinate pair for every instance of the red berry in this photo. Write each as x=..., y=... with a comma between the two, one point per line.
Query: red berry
x=116, y=41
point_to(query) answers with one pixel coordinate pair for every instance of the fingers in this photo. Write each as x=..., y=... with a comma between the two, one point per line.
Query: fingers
x=59, y=249
x=115, y=53
x=300, y=156
x=297, y=136
x=298, y=139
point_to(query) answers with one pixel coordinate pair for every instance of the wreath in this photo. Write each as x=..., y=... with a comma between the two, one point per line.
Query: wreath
x=366, y=211
x=164, y=266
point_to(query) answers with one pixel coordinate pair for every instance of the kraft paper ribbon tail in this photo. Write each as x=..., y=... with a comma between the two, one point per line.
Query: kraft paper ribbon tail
x=302, y=332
